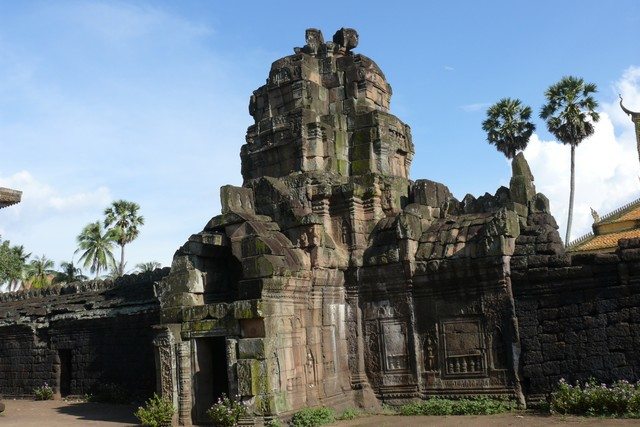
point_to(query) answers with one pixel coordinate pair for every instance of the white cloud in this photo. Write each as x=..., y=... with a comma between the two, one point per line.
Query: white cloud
x=48, y=219
x=607, y=166
x=41, y=197
x=121, y=22
x=471, y=108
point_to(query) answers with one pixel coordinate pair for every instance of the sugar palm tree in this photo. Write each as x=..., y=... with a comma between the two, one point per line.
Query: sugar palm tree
x=570, y=115
x=125, y=221
x=97, y=246
x=508, y=126
x=69, y=273
x=39, y=272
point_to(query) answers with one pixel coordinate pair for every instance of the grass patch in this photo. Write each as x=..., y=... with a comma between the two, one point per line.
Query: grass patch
x=351, y=414
x=312, y=417
x=468, y=406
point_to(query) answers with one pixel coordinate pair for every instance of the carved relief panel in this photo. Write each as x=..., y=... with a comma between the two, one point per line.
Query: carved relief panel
x=463, y=347
x=387, y=347
x=394, y=345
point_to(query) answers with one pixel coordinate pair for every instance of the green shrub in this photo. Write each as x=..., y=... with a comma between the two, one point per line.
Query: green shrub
x=226, y=412
x=469, y=406
x=44, y=392
x=273, y=423
x=620, y=399
x=156, y=412
x=350, y=414
x=312, y=417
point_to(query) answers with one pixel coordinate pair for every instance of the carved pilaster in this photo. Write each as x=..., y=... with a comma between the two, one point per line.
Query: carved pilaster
x=321, y=208
x=232, y=360
x=359, y=378
x=414, y=340
x=165, y=364
x=515, y=344
x=357, y=238
x=184, y=379
x=372, y=206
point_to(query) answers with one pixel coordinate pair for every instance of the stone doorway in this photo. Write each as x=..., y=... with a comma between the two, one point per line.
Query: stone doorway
x=64, y=373
x=210, y=377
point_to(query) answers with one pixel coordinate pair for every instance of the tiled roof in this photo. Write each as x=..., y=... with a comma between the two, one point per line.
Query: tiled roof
x=604, y=242
x=634, y=213
x=9, y=197
x=622, y=223
x=616, y=214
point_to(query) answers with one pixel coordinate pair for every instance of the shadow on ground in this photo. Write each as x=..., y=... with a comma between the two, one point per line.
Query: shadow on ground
x=90, y=411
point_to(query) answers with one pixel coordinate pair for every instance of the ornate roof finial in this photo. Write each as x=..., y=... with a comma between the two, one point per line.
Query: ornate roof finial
x=626, y=110
x=635, y=118
x=594, y=214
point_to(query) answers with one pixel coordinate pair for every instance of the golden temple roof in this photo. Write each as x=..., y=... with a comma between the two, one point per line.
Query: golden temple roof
x=604, y=242
x=622, y=223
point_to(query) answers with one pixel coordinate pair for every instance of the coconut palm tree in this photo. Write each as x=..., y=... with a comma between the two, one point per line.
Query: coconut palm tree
x=97, y=247
x=570, y=115
x=145, y=267
x=13, y=265
x=39, y=272
x=69, y=273
x=123, y=216
x=508, y=126
x=21, y=258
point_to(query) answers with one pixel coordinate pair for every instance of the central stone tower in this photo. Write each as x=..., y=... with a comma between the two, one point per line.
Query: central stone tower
x=330, y=278
x=325, y=110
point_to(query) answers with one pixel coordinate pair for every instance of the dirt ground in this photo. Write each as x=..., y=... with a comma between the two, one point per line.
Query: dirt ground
x=502, y=420
x=58, y=413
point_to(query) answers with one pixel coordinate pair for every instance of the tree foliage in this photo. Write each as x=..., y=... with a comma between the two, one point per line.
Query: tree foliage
x=570, y=110
x=69, y=273
x=125, y=222
x=97, y=247
x=145, y=267
x=508, y=126
x=570, y=116
x=13, y=263
x=40, y=272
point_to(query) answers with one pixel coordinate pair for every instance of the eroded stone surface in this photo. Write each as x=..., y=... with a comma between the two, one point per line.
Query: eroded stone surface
x=330, y=278
x=79, y=337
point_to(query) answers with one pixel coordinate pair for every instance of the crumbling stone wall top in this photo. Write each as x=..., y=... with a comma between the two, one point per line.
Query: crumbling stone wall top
x=81, y=300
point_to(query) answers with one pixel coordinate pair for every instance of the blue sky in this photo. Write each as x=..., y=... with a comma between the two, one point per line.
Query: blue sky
x=147, y=101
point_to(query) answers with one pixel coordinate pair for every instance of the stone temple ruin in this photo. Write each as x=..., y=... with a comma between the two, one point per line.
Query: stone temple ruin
x=331, y=278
